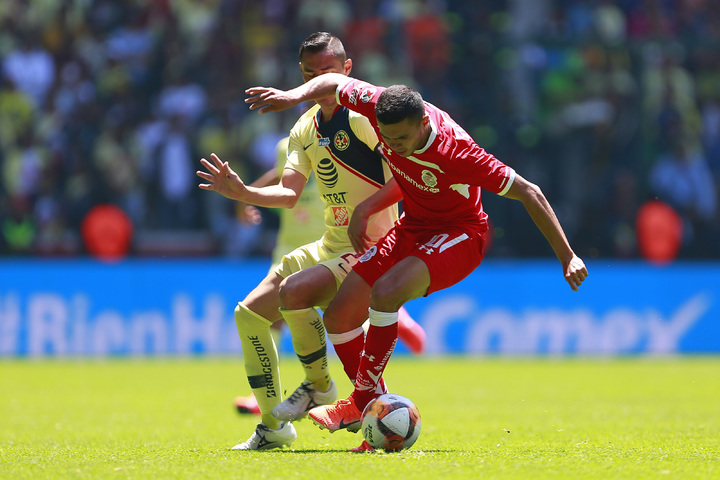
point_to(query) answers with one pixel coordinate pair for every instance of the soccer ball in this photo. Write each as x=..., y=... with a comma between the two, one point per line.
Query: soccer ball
x=391, y=422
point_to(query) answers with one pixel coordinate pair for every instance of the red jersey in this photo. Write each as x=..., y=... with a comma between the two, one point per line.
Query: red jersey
x=441, y=183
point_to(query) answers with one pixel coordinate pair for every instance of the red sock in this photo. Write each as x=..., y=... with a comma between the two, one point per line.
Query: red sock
x=350, y=350
x=379, y=344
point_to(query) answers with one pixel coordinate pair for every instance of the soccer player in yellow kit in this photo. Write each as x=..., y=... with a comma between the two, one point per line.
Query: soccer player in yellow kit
x=298, y=226
x=338, y=146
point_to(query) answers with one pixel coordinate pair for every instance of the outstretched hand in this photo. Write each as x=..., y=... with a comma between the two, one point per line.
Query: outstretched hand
x=222, y=178
x=575, y=272
x=266, y=99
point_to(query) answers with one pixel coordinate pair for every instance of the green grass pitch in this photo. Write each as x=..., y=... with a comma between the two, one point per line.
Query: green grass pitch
x=489, y=418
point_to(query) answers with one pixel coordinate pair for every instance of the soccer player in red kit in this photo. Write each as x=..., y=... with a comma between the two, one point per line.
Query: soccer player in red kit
x=437, y=242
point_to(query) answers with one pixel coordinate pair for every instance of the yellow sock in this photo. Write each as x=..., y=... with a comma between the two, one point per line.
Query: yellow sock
x=261, y=361
x=308, y=338
x=276, y=334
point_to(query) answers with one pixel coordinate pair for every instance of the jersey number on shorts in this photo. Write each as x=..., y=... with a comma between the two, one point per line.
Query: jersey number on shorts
x=344, y=261
x=441, y=242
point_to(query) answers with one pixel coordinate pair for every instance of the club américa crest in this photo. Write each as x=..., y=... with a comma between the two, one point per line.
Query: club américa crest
x=341, y=140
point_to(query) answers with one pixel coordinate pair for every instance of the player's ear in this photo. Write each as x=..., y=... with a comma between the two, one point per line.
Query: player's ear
x=425, y=119
x=348, y=66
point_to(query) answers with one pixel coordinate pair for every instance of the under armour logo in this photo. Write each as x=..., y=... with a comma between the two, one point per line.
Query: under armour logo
x=428, y=250
x=369, y=357
x=375, y=378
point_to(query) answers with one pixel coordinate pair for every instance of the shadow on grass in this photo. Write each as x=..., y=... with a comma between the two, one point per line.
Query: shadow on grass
x=345, y=450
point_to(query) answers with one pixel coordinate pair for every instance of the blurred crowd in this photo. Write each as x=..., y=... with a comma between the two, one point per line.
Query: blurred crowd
x=604, y=103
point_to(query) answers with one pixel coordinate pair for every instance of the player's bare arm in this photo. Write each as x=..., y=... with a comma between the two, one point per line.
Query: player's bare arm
x=387, y=196
x=249, y=214
x=222, y=179
x=544, y=217
x=267, y=99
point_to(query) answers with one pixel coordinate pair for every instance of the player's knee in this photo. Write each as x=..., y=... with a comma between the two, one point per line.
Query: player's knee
x=291, y=295
x=386, y=296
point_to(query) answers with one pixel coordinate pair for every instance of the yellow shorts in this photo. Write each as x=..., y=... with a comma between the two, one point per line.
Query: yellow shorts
x=339, y=262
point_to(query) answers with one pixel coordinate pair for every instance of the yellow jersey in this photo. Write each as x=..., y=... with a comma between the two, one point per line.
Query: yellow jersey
x=347, y=167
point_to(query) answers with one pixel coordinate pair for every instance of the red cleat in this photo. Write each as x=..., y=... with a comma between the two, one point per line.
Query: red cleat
x=364, y=447
x=342, y=414
x=247, y=405
x=410, y=333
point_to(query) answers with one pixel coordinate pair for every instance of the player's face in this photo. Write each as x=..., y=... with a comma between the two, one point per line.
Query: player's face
x=405, y=137
x=314, y=64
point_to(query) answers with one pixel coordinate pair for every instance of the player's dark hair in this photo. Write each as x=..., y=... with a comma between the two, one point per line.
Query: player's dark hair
x=320, y=42
x=397, y=103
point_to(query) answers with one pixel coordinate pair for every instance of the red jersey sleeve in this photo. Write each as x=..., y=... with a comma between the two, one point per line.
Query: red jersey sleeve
x=486, y=171
x=360, y=97
x=464, y=159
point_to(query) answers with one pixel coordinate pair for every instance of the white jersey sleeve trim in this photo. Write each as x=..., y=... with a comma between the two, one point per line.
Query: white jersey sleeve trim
x=339, y=88
x=510, y=180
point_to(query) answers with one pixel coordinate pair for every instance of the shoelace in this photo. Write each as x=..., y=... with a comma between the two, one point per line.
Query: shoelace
x=298, y=392
x=257, y=435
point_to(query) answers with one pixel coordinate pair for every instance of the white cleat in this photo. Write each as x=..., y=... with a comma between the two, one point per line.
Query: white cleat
x=264, y=438
x=304, y=398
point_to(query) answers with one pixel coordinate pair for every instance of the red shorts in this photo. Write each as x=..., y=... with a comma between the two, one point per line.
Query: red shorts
x=450, y=253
